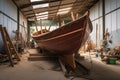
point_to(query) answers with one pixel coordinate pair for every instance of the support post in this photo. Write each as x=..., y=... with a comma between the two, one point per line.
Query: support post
x=36, y=25
x=45, y=25
x=103, y=19
x=51, y=24
x=59, y=21
x=18, y=19
x=41, y=26
x=72, y=16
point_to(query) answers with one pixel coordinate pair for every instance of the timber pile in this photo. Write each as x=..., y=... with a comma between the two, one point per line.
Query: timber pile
x=115, y=52
x=111, y=54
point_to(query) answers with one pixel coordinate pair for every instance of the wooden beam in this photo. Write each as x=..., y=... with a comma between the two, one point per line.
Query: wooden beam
x=18, y=18
x=53, y=9
x=96, y=35
x=51, y=24
x=58, y=25
x=63, y=23
x=41, y=26
x=76, y=6
x=70, y=60
x=51, y=13
x=72, y=16
x=62, y=66
x=38, y=3
x=59, y=21
x=28, y=32
x=77, y=16
x=26, y=35
x=103, y=19
x=36, y=25
x=45, y=25
x=39, y=58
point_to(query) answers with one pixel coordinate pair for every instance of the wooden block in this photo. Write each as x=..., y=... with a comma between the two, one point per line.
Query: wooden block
x=39, y=58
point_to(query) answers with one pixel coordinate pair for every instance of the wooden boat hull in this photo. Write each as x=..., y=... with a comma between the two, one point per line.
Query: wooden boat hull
x=66, y=40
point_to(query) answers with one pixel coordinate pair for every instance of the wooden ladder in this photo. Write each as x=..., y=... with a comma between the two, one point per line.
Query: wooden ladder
x=9, y=47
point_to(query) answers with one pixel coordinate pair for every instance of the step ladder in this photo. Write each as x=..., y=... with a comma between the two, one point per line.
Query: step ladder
x=9, y=47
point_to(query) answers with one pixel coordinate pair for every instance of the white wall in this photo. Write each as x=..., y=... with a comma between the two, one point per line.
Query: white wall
x=23, y=26
x=111, y=20
x=95, y=16
x=10, y=9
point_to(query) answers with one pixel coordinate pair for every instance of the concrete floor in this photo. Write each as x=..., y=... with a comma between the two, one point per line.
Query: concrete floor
x=42, y=70
x=100, y=70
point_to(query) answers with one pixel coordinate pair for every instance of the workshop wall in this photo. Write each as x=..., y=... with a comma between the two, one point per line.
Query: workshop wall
x=8, y=19
x=112, y=18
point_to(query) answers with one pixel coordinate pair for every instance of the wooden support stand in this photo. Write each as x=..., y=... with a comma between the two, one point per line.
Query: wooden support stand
x=9, y=47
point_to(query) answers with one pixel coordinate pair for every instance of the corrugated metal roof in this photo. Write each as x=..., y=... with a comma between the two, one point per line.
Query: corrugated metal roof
x=53, y=8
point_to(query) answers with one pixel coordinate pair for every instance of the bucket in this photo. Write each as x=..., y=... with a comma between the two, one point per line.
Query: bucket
x=112, y=60
x=96, y=55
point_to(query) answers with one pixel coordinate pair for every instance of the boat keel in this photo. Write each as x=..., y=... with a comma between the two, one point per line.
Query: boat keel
x=70, y=60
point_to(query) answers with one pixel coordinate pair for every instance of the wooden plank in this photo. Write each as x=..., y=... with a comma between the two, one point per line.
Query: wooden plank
x=38, y=54
x=72, y=16
x=57, y=25
x=96, y=35
x=36, y=25
x=39, y=58
x=63, y=23
x=77, y=16
x=51, y=24
x=70, y=60
x=41, y=26
x=62, y=66
x=45, y=25
x=26, y=36
x=59, y=20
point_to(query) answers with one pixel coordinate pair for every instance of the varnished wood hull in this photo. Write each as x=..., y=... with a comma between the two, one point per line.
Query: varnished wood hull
x=66, y=40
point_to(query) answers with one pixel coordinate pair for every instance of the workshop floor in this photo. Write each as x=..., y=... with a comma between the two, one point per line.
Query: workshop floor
x=43, y=70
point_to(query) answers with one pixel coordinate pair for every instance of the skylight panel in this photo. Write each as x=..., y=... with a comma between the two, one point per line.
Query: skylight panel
x=35, y=0
x=40, y=5
x=64, y=10
x=43, y=13
x=42, y=17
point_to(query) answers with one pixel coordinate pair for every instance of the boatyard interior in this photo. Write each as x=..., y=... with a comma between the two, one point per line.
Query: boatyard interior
x=59, y=40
